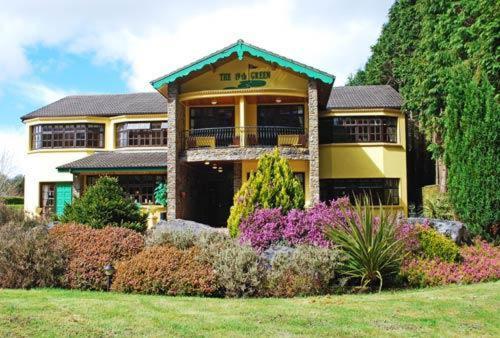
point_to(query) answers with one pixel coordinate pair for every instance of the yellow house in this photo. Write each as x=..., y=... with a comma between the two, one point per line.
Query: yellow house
x=205, y=128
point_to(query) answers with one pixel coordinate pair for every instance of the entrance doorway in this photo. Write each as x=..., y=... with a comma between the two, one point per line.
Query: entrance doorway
x=211, y=193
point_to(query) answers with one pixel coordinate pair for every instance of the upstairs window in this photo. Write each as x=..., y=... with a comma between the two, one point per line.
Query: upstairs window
x=141, y=134
x=50, y=136
x=354, y=129
x=383, y=190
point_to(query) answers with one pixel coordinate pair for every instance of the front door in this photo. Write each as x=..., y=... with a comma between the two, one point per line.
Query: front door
x=212, y=194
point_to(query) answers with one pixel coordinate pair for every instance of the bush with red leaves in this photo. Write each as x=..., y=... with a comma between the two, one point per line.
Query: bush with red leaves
x=91, y=249
x=165, y=270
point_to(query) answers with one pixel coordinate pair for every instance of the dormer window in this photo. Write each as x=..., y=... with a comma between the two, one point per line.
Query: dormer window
x=141, y=134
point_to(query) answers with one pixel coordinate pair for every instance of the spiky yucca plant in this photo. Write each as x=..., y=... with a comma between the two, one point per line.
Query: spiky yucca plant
x=369, y=242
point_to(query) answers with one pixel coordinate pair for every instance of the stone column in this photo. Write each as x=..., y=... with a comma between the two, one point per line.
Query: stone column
x=312, y=95
x=172, y=150
x=237, y=177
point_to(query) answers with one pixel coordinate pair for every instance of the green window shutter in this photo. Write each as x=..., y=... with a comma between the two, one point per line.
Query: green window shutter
x=63, y=196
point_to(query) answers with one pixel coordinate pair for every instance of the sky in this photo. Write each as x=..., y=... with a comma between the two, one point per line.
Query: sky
x=53, y=48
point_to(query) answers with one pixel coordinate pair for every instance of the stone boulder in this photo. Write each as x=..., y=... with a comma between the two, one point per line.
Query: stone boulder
x=273, y=251
x=453, y=229
x=181, y=225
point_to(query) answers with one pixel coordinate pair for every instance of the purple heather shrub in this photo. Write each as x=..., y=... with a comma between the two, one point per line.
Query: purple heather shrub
x=408, y=234
x=262, y=228
x=308, y=226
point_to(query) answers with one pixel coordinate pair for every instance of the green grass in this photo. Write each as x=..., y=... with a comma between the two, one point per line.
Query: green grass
x=447, y=311
x=16, y=206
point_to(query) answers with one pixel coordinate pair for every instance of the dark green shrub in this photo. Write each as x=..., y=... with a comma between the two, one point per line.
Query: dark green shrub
x=89, y=250
x=272, y=185
x=165, y=270
x=436, y=245
x=309, y=270
x=472, y=141
x=12, y=200
x=369, y=242
x=29, y=258
x=105, y=204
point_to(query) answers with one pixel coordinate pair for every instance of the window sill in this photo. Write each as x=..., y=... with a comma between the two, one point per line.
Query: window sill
x=363, y=144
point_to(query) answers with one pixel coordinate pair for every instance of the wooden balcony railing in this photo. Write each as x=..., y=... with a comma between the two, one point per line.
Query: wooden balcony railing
x=256, y=136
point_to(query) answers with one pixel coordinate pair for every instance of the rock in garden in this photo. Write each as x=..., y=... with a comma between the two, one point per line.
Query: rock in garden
x=454, y=229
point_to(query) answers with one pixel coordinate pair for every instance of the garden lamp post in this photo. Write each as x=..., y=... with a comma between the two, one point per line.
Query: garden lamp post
x=109, y=270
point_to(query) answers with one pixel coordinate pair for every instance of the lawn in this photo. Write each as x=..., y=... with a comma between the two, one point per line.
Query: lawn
x=447, y=311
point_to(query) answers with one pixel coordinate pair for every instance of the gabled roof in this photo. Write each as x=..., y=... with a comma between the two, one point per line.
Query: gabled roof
x=240, y=48
x=380, y=96
x=121, y=160
x=103, y=105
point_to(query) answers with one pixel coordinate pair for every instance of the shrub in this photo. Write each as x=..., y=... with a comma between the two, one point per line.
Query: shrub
x=308, y=226
x=272, y=185
x=28, y=258
x=408, y=234
x=480, y=262
x=262, y=228
x=10, y=215
x=12, y=200
x=436, y=204
x=165, y=270
x=436, y=245
x=105, y=204
x=309, y=270
x=239, y=270
x=91, y=249
x=370, y=244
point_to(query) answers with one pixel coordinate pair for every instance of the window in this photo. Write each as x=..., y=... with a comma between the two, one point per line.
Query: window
x=357, y=129
x=211, y=117
x=49, y=136
x=141, y=134
x=385, y=190
x=281, y=115
x=140, y=188
x=47, y=197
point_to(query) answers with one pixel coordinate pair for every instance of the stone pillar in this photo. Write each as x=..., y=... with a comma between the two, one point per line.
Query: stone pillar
x=77, y=185
x=312, y=103
x=173, y=143
x=237, y=177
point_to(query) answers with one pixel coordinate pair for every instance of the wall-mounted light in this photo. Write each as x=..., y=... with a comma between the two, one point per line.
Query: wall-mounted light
x=278, y=100
x=207, y=163
x=214, y=102
x=214, y=166
x=220, y=169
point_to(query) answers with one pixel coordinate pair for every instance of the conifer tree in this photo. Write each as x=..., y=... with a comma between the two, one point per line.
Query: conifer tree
x=272, y=185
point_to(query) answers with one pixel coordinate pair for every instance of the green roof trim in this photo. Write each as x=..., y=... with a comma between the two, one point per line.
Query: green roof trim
x=240, y=48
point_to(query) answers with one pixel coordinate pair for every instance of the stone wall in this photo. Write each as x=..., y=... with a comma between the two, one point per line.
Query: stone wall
x=239, y=154
x=313, y=140
x=237, y=176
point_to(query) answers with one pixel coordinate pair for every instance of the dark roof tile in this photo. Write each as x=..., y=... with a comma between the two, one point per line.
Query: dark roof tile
x=103, y=105
x=380, y=96
x=119, y=160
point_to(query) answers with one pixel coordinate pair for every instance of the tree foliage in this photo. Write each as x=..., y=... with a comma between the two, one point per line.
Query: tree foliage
x=472, y=126
x=419, y=52
x=272, y=185
x=105, y=204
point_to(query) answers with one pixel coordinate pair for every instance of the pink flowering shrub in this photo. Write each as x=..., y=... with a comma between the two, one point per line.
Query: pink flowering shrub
x=308, y=226
x=480, y=262
x=262, y=228
x=265, y=227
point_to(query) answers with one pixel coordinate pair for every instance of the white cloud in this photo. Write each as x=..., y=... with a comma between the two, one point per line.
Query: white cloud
x=42, y=94
x=153, y=38
x=13, y=142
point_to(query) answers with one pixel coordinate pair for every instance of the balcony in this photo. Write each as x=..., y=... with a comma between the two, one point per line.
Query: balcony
x=245, y=137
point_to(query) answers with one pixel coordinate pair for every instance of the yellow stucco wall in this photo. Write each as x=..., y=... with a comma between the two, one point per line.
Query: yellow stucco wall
x=41, y=164
x=296, y=165
x=367, y=160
